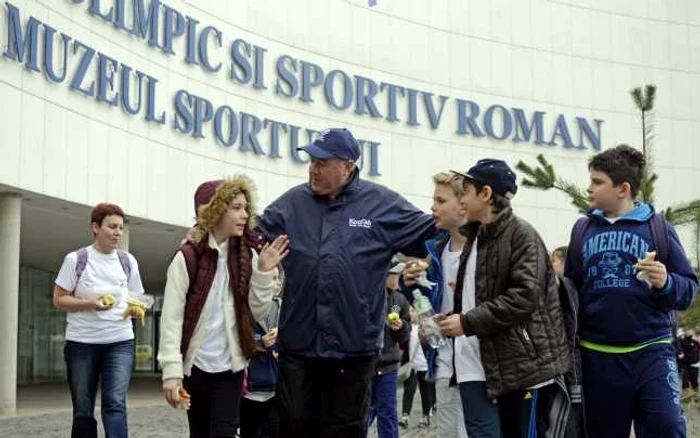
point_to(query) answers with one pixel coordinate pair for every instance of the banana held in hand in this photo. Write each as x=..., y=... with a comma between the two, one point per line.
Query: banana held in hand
x=107, y=300
x=138, y=307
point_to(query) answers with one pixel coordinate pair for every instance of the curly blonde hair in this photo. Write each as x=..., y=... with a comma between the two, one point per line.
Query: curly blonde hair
x=209, y=214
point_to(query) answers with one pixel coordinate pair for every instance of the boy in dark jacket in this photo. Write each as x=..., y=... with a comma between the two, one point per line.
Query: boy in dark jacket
x=397, y=330
x=626, y=297
x=507, y=305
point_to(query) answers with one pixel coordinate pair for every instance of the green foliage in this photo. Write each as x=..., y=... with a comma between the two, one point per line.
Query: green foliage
x=691, y=317
x=646, y=189
x=543, y=177
x=644, y=100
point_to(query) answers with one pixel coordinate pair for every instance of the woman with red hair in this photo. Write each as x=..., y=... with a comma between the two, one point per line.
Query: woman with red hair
x=93, y=286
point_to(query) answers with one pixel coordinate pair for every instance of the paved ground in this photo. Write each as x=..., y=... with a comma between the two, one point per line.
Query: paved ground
x=45, y=412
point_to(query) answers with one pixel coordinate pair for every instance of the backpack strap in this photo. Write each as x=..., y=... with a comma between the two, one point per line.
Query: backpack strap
x=80, y=264
x=576, y=246
x=659, y=234
x=125, y=262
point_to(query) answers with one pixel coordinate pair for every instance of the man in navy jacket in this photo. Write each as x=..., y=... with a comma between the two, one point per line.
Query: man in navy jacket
x=343, y=232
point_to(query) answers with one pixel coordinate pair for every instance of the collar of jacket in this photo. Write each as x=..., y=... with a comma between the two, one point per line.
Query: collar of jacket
x=351, y=186
x=495, y=228
x=437, y=244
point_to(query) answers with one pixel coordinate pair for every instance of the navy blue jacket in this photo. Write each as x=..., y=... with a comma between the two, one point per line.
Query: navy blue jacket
x=341, y=248
x=262, y=369
x=615, y=307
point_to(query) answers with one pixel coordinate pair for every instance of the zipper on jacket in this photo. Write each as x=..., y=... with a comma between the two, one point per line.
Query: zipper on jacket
x=528, y=345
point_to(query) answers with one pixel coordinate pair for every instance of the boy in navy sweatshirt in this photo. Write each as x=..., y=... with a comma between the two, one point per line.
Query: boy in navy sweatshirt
x=629, y=365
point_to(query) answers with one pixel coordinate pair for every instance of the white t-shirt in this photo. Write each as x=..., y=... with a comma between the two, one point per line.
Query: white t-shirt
x=103, y=274
x=467, y=354
x=415, y=351
x=450, y=266
x=214, y=355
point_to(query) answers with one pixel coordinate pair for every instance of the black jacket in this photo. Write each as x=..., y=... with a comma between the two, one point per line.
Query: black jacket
x=390, y=357
x=518, y=318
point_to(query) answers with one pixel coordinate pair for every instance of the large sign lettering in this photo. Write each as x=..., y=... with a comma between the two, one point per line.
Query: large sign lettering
x=98, y=76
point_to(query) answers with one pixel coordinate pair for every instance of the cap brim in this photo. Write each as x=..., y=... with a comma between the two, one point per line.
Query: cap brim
x=463, y=174
x=315, y=151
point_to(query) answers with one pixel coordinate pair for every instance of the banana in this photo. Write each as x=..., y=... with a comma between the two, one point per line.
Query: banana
x=140, y=312
x=107, y=300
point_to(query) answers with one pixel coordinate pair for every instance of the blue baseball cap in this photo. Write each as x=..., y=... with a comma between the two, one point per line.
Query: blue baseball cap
x=493, y=173
x=333, y=143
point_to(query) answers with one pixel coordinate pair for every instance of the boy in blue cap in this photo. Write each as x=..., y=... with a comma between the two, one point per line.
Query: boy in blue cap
x=506, y=305
x=631, y=272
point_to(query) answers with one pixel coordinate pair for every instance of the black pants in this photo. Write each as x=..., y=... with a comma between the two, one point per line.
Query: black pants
x=427, y=392
x=690, y=377
x=321, y=397
x=523, y=413
x=214, y=404
x=257, y=417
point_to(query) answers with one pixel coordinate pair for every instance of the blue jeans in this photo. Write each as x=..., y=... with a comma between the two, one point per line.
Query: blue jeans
x=383, y=406
x=481, y=416
x=86, y=364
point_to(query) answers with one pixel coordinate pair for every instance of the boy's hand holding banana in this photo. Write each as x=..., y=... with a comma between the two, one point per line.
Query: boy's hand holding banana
x=651, y=271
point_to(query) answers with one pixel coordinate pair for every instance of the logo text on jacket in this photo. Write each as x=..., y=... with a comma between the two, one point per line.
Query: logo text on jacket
x=363, y=223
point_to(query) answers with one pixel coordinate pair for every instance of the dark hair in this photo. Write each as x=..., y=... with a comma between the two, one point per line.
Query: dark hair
x=623, y=164
x=560, y=252
x=499, y=202
x=104, y=209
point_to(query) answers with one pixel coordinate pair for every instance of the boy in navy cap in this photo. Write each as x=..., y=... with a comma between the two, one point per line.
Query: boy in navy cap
x=507, y=305
x=627, y=296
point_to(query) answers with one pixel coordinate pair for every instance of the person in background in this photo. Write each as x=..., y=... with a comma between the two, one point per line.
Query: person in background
x=568, y=296
x=384, y=383
x=259, y=413
x=558, y=259
x=92, y=286
x=417, y=378
x=689, y=358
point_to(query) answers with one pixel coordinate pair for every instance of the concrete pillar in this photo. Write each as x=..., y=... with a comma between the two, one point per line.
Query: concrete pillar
x=10, y=213
x=124, y=244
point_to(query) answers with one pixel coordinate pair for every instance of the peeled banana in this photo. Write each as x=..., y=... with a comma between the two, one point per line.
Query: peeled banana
x=135, y=306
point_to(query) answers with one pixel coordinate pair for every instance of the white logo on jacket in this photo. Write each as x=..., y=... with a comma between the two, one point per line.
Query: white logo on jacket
x=362, y=223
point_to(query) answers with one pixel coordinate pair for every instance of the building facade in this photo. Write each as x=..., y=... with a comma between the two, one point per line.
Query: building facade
x=136, y=102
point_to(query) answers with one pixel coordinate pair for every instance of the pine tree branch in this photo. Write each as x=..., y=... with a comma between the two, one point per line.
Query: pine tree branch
x=544, y=178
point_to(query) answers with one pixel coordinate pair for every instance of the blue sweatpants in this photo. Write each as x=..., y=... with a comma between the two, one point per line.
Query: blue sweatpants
x=383, y=406
x=641, y=386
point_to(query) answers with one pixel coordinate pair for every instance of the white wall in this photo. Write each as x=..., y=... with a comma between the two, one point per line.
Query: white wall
x=575, y=57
